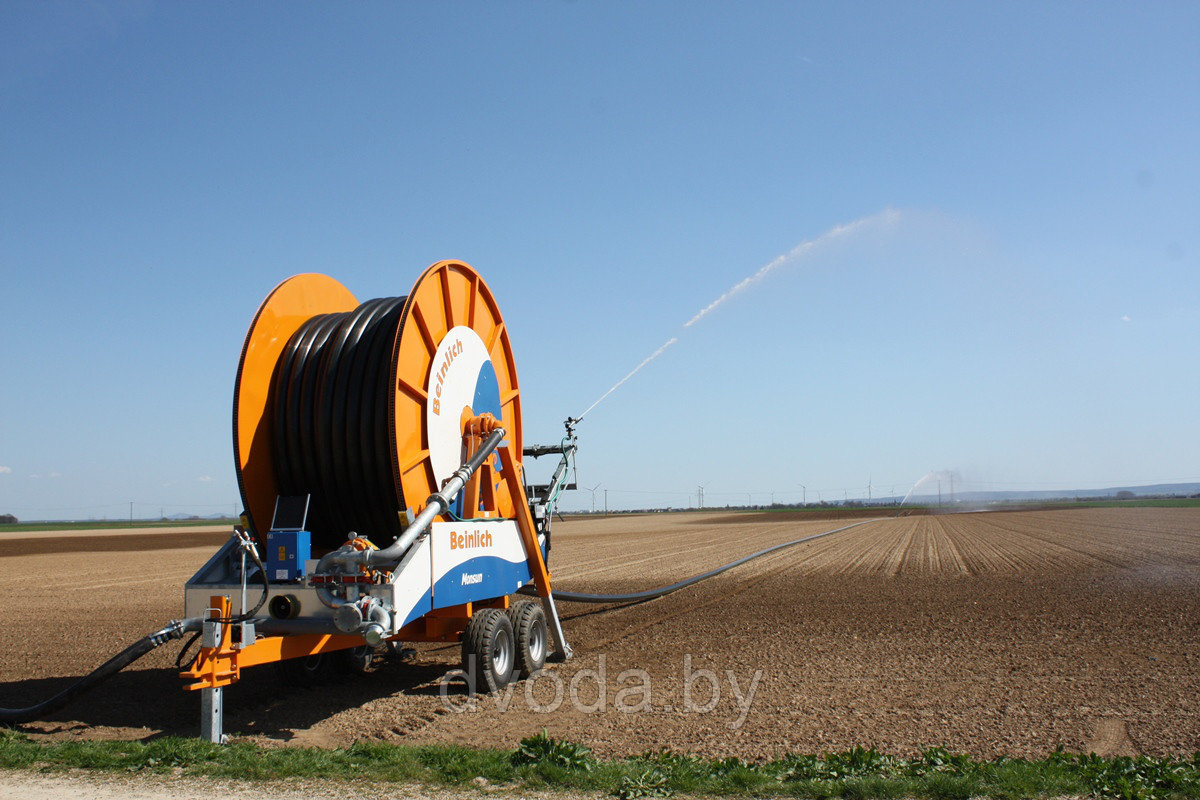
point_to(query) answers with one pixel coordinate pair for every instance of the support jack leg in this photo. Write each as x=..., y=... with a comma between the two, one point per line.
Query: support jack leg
x=564, y=650
x=212, y=714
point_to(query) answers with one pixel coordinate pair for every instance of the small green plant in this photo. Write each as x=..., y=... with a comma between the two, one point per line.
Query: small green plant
x=648, y=783
x=857, y=762
x=800, y=768
x=670, y=759
x=939, y=760
x=1140, y=778
x=542, y=749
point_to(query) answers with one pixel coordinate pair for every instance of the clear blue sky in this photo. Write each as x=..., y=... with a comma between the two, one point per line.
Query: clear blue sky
x=1028, y=315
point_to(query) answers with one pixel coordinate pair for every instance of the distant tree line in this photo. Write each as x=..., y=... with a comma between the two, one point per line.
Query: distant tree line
x=8, y=519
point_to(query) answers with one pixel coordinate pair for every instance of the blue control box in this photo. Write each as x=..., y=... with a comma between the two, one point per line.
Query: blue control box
x=286, y=553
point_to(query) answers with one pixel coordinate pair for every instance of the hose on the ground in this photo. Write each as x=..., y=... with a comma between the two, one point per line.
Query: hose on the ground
x=651, y=594
x=174, y=630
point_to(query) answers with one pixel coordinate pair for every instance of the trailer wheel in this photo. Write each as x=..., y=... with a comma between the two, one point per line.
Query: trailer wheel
x=533, y=637
x=488, y=650
x=312, y=670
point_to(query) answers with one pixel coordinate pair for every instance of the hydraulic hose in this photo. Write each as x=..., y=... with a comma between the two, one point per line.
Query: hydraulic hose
x=245, y=615
x=183, y=651
x=651, y=594
x=248, y=545
x=173, y=630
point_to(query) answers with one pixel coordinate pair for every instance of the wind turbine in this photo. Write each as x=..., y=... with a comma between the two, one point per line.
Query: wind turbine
x=593, y=491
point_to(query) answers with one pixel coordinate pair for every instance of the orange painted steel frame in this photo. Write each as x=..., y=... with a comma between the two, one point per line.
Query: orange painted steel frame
x=222, y=665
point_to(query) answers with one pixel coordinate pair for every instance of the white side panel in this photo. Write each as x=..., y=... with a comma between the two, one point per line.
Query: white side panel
x=476, y=560
x=412, y=583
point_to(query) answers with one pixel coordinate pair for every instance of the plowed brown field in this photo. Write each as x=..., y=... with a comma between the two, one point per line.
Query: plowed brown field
x=990, y=633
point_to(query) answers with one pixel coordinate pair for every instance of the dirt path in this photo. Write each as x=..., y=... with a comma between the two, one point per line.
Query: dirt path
x=101, y=786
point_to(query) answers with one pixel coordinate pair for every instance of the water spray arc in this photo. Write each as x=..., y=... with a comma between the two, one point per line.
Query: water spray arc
x=632, y=372
x=886, y=217
x=935, y=477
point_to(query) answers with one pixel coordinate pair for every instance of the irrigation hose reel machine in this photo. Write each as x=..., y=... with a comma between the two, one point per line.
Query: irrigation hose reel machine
x=378, y=448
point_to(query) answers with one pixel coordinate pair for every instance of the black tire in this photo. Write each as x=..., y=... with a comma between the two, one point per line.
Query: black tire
x=488, y=650
x=532, y=635
x=311, y=670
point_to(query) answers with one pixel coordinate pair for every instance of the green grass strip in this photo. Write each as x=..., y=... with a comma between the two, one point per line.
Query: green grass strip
x=541, y=762
x=1161, y=502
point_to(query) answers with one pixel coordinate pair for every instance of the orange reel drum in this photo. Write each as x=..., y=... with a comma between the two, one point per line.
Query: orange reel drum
x=363, y=405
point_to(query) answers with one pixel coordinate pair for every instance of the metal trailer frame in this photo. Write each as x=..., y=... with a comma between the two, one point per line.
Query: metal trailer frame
x=230, y=643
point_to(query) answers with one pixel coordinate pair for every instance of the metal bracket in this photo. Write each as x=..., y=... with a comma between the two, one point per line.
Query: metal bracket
x=247, y=635
x=211, y=633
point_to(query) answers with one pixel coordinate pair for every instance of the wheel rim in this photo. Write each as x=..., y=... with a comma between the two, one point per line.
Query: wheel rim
x=537, y=643
x=502, y=653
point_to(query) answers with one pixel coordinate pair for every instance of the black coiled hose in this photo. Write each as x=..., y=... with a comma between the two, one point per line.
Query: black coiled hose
x=174, y=630
x=331, y=433
x=651, y=594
